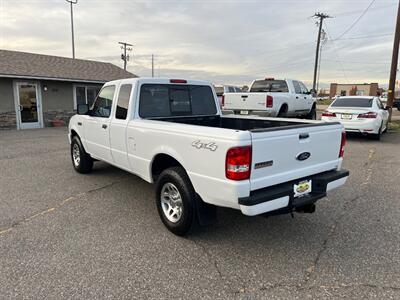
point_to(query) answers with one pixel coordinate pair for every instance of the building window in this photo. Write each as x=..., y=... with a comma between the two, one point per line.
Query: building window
x=85, y=94
x=342, y=93
x=359, y=93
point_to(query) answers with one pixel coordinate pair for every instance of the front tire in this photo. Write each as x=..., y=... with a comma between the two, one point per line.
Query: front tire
x=175, y=200
x=312, y=115
x=81, y=161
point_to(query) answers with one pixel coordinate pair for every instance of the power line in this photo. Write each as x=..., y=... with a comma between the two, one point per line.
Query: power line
x=337, y=54
x=364, y=37
x=356, y=21
x=340, y=14
x=360, y=62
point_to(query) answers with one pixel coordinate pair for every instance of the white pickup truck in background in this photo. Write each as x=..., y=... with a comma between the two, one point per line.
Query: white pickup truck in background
x=274, y=98
x=171, y=132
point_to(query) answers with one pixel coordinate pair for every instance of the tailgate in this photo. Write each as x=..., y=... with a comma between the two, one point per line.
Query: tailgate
x=245, y=101
x=280, y=155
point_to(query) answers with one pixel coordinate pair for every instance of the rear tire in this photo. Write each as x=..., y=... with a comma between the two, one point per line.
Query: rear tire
x=386, y=127
x=283, y=112
x=81, y=161
x=175, y=200
x=377, y=136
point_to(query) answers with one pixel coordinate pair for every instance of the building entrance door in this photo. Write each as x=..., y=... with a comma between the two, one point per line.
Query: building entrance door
x=28, y=105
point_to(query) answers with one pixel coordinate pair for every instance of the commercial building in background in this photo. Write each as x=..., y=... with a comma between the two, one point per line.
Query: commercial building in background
x=354, y=89
x=42, y=90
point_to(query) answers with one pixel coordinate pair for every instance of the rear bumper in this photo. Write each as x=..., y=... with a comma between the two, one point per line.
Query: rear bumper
x=361, y=126
x=280, y=198
x=261, y=113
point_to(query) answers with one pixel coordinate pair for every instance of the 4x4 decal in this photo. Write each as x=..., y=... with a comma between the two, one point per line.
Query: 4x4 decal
x=209, y=146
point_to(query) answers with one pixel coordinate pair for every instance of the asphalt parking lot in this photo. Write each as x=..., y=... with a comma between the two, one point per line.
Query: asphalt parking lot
x=66, y=235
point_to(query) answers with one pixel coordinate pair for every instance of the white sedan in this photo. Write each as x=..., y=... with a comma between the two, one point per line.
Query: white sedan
x=365, y=115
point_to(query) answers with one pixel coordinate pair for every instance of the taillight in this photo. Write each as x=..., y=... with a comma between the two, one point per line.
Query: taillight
x=238, y=163
x=342, y=144
x=328, y=114
x=269, y=101
x=368, y=115
x=223, y=100
x=177, y=81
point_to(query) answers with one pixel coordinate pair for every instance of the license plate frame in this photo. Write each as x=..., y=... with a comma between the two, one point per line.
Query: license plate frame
x=302, y=188
x=244, y=112
x=347, y=116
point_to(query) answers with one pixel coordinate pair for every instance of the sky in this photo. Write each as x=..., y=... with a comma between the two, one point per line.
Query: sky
x=231, y=42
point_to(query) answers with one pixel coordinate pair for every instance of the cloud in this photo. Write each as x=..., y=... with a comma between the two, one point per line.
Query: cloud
x=222, y=41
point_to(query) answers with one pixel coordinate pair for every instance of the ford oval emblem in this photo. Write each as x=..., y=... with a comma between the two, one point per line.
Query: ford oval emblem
x=303, y=156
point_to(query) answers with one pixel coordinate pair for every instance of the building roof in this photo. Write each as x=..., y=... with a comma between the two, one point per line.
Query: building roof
x=17, y=64
x=354, y=83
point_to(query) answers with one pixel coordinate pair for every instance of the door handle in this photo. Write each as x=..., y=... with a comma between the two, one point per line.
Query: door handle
x=104, y=126
x=303, y=136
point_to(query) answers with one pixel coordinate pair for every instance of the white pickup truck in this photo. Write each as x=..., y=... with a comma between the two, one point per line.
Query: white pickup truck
x=171, y=132
x=273, y=98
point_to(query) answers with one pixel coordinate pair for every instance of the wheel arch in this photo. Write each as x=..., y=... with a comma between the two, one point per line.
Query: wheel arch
x=162, y=161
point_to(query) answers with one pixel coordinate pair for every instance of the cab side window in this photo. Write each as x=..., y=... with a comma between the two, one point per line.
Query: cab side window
x=123, y=101
x=304, y=89
x=297, y=88
x=103, y=103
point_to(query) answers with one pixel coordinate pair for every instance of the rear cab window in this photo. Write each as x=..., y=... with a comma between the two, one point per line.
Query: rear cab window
x=352, y=102
x=172, y=100
x=275, y=86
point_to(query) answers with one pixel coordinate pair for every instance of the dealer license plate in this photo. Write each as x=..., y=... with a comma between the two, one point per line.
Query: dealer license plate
x=347, y=116
x=244, y=112
x=302, y=188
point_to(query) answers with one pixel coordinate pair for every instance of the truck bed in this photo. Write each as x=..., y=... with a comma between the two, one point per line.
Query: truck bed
x=255, y=124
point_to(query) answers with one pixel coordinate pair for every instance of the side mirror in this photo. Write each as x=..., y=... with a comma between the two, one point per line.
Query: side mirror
x=312, y=91
x=83, y=109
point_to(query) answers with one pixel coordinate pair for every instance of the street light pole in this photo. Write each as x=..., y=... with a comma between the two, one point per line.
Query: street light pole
x=72, y=25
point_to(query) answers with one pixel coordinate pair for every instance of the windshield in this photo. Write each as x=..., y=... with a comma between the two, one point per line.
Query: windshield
x=276, y=86
x=352, y=102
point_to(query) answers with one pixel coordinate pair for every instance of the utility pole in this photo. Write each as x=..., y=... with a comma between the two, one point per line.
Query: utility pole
x=152, y=65
x=72, y=25
x=321, y=18
x=323, y=40
x=124, y=57
x=393, y=69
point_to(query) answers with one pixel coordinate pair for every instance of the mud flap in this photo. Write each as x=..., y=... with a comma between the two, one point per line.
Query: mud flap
x=206, y=213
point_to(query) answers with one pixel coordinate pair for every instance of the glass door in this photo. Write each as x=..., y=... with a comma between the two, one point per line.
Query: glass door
x=28, y=105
